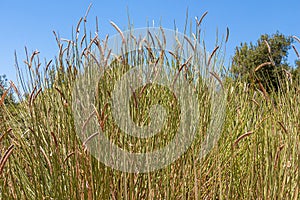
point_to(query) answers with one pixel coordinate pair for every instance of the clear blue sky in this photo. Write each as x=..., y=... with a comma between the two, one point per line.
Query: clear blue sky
x=30, y=23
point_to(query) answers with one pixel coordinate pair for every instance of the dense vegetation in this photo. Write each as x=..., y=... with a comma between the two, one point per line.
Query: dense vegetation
x=5, y=91
x=256, y=157
x=264, y=62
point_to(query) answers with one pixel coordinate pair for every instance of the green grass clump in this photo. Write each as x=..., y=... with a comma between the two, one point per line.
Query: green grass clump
x=41, y=156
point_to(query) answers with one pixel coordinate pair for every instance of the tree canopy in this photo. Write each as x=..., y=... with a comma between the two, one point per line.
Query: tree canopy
x=8, y=98
x=264, y=62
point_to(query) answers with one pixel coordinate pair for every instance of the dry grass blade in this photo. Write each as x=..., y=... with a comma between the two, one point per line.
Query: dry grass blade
x=201, y=19
x=60, y=92
x=88, y=53
x=101, y=50
x=269, y=48
x=67, y=49
x=102, y=118
x=61, y=51
x=35, y=96
x=54, y=138
x=241, y=137
x=263, y=91
x=78, y=25
x=180, y=69
x=56, y=38
x=253, y=100
x=212, y=54
x=87, y=121
x=119, y=30
x=296, y=38
x=48, y=65
x=277, y=155
x=134, y=97
x=104, y=44
x=135, y=40
x=164, y=36
x=5, y=157
x=151, y=37
x=33, y=55
x=158, y=42
x=178, y=43
x=142, y=91
x=15, y=89
x=149, y=50
x=3, y=97
x=296, y=51
x=97, y=25
x=47, y=160
x=189, y=41
x=82, y=40
x=173, y=54
x=262, y=65
x=89, y=138
x=95, y=41
x=107, y=58
x=283, y=127
x=4, y=134
x=214, y=74
x=68, y=156
x=227, y=34
x=87, y=12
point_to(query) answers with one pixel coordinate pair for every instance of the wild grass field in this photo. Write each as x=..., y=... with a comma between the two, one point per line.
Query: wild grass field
x=41, y=156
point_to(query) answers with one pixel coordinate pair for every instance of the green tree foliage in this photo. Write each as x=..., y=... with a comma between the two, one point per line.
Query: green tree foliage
x=264, y=62
x=5, y=98
x=3, y=87
x=3, y=81
x=296, y=71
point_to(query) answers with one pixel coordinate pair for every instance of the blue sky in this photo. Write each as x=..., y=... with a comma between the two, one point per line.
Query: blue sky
x=31, y=23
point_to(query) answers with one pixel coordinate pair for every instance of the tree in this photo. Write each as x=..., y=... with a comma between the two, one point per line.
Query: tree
x=296, y=71
x=3, y=87
x=3, y=84
x=264, y=62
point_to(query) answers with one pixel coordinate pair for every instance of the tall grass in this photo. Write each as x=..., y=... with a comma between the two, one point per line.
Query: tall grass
x=41, y=157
